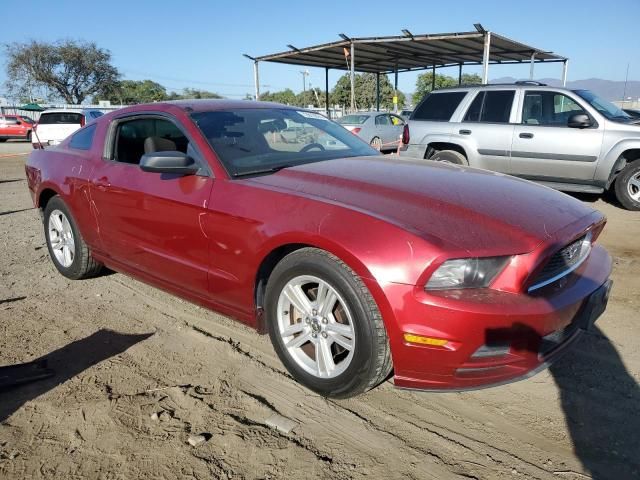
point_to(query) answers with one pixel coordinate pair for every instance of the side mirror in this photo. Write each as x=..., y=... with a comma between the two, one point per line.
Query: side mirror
x=579, y=120
x=169, y=162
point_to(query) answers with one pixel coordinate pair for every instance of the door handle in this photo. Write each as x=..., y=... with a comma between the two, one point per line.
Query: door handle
x=102, y=183
x=464, y=132
x=526, y=135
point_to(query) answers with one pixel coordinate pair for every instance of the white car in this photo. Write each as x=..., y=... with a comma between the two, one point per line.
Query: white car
x=56, y=125
x=381, y=130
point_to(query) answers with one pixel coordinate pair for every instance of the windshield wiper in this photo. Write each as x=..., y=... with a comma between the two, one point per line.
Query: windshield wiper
x=261, y=171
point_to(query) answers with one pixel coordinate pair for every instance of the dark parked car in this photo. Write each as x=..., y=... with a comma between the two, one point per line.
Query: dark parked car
x=356, y=265
x=632, y=112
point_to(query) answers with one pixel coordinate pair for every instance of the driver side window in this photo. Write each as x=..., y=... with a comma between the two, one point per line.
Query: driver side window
x=136, y=137
x=548, y=109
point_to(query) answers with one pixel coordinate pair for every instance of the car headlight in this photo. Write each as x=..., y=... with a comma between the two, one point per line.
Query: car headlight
x=466, y=273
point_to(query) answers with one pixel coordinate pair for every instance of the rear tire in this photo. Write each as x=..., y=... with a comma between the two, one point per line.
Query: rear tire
x=28, y=137
x=627, y=186
x=347, y=325
x=376, y=143
x=449, y=156
x=2, y=140
x=67, y=249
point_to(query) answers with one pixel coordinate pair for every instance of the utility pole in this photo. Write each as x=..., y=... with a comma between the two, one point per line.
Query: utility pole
x=626, y=79
x=304, y=73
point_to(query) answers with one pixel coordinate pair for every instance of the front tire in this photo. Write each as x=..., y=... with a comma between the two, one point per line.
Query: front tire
x=67, y=249
x=627, y=186
x=325, y=326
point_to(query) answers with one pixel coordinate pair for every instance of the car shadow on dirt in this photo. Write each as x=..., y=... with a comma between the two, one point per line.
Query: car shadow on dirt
x=57, y=367
x=600, y=401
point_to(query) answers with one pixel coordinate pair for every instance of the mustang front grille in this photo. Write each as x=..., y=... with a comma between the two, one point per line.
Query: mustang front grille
x=563, y=262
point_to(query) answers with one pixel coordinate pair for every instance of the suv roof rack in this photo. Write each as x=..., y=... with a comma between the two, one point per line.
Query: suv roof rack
x=469, y=85
x=530, y=82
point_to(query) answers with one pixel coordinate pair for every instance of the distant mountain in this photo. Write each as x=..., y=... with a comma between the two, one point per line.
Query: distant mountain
x=608, y=89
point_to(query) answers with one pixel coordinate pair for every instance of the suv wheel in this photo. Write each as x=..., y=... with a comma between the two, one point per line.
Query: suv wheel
x=449, y=156
x=627, y=186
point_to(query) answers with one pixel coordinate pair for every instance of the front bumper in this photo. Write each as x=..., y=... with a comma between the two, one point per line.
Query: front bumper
x=525, y=331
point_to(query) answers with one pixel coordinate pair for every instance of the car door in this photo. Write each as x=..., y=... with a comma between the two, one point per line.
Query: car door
x=11, y=127
x=151, y=221
x=487, y=128
x=397, y=125
x=545, y=148
x=383, y=128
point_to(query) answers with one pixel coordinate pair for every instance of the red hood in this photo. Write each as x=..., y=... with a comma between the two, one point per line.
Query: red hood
x=475, y=210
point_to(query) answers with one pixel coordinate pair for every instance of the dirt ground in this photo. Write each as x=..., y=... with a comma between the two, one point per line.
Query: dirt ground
x=138, y=371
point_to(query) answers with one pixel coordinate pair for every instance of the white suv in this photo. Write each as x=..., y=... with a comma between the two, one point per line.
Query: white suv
x=56, y=125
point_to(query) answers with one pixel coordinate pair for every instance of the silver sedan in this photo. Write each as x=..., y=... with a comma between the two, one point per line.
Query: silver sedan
x=380, y=129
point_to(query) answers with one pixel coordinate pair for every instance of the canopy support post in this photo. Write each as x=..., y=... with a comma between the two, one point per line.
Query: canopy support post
x=433, y=77
x=353, y=78
x=533, y=60
x=565, y=66
x=485, y=58
x=377, y=91
x=395, y=87
x=459, y=74
x=326, y=91
x=256, y=79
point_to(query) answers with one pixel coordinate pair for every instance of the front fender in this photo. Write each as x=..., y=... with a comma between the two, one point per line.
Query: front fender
x=605, y=169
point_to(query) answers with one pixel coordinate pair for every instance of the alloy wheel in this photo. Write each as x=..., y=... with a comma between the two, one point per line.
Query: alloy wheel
x=316, y=326
x=61, y=238
x=633, y=187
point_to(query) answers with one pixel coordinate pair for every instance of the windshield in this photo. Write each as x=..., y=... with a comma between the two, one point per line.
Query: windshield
x=353, y=119
x=261, y=140
x=606, y=108
x=26, y=119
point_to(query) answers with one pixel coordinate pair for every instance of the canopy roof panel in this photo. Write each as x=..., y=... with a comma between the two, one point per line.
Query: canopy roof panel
x=412, y=52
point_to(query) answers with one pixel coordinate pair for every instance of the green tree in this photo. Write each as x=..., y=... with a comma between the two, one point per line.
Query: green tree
x=129, y=92
x=68, y=69
x=314, y=97
x=365, y=91
x=424, y=82
x=286, y=97
x=192, y=93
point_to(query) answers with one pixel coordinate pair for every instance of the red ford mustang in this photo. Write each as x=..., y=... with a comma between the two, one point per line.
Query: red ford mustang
x=356, y=264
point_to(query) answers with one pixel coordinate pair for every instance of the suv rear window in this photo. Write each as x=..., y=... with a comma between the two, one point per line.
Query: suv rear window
x=60, y=118
x=491, y=106
x=438, y=106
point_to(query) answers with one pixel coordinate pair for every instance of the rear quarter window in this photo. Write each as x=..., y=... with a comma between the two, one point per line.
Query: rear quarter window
x=60, y=118
x=438, y=106
x=83, y=139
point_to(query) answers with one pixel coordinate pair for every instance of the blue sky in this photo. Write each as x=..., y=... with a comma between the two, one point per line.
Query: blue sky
x=199, y=44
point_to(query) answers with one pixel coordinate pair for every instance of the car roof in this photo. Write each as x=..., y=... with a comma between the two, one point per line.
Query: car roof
x=70, y=110
x=368, y=114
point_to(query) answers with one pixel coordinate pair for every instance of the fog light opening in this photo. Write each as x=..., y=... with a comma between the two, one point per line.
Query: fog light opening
x=496, y=350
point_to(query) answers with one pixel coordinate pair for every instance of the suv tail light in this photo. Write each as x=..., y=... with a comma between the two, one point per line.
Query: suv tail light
x=82, y=120
x=356, y=130
x=405, y=134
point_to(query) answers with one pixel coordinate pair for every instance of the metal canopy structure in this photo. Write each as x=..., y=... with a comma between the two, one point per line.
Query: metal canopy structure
x=409, y=52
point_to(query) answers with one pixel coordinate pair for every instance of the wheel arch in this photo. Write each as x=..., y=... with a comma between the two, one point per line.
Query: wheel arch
x=275, y=253
x=433, y=147
x=45, y=195
x=616, y=158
